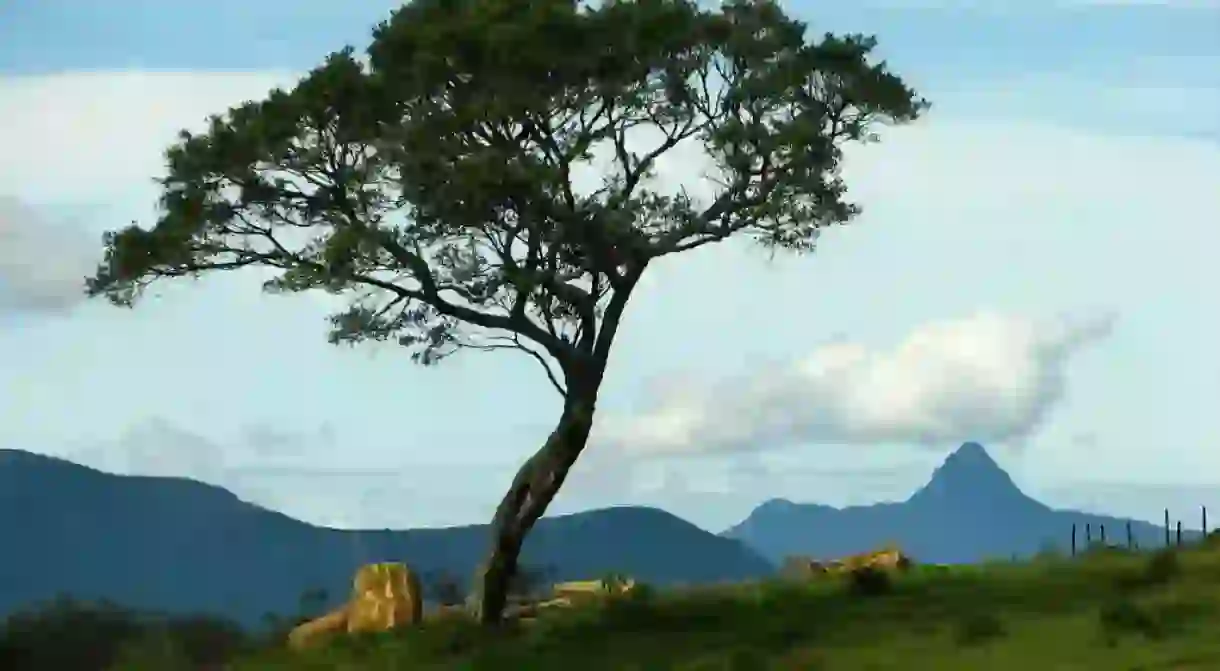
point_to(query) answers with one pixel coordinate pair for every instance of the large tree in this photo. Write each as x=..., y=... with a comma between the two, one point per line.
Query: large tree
x=434, y=183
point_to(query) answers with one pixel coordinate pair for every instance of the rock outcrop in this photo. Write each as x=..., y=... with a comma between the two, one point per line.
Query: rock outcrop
x=801, y=567
x=310, y=633
x=804, y=567
x=384, y=596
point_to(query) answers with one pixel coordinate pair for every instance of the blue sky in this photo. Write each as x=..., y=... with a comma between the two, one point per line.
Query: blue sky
x=1030, y=271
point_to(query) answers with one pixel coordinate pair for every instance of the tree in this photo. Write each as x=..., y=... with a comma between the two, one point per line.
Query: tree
x=435, y=183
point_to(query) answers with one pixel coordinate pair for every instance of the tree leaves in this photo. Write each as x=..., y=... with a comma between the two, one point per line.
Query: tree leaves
x=436, y=183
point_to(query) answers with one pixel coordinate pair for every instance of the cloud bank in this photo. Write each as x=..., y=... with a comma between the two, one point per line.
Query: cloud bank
x=42, y=263
x=988, y=377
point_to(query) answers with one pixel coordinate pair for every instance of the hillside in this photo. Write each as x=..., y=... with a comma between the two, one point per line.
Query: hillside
x=177, y=545
x=969, y=511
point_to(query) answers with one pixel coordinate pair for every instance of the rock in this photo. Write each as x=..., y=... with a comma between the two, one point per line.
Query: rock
x=577, y=589
x=531, y=610
x=384, y=596
x=801, y=567
x=891, y=559
x=309, y=634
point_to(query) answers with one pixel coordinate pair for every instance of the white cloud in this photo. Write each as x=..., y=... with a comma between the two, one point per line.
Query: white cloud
x=987, y=377
x=160, y=447
x=94, y=136
x=43, y=263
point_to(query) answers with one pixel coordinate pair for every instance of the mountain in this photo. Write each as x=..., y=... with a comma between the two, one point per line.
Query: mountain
x=969, y=511
x=175, y=545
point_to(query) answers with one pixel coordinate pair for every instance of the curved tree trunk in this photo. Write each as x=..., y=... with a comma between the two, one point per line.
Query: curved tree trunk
x=532, y=490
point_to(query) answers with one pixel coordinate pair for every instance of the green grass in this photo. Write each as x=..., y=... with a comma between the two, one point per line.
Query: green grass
x=1110, y=610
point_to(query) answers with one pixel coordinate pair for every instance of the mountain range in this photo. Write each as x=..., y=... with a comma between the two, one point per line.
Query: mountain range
x=969, y=511
x=180, y=546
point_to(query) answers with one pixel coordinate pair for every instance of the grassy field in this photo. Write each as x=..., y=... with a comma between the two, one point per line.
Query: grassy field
x=1106, y=610
x=1111, y=610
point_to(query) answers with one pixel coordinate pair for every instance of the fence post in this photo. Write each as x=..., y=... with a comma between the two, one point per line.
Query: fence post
x=1167, y=527
x=1073, y=539
x=1088, y=535
x=1103, y=535
x=1179, y=533
x=1130, y=541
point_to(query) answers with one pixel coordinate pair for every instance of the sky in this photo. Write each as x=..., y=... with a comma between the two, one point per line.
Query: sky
x=1030, y=271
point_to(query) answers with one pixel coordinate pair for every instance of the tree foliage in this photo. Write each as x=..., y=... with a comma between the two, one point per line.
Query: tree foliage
x=435, y=183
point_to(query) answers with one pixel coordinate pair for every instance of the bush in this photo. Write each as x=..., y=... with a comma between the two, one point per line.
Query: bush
x=152, y=651
x=68, y=635
x=1162, y=567
x=632, y=608
x=978, y=628
x=445, y=588
x=1125, y=616
x=869, y=581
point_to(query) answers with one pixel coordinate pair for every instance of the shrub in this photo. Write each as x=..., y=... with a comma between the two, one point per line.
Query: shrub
x=1162, y=567
x=66, y=635
x=155, y=650
x=869, y=581
x=1159, y=569
x=978, y=628
x=635, y=607
x=445, y=588
x=1125, y=616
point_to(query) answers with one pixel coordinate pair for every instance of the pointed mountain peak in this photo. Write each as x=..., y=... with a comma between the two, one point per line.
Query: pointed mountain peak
x=969, y=475
x=776, y=505
x=971, y=455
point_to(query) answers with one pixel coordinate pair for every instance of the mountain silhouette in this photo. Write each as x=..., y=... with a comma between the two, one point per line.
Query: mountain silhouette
x=969, y=511
x=175, y=545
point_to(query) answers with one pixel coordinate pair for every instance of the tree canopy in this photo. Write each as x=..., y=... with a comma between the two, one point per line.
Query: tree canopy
x=483, y=179
x=434, y=181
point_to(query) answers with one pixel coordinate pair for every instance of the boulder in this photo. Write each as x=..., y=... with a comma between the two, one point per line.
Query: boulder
x=313, y=632
x=577, y=589
x=891, y=559
x=384, y=596
x=801, y=567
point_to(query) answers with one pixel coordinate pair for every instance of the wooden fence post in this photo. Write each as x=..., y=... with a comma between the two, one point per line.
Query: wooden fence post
x=1167, y=527
x=1073, y=539
x=1179, y=533
x=1130, y=540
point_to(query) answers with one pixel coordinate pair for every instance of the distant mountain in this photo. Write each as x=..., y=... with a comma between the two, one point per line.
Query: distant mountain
x=969, y=511
x=176, y=545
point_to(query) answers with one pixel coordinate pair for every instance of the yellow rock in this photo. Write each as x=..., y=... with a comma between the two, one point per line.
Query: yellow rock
x=801, y=566
x=384, y=596
x=314, y=631
x=890, y=558
x=585, y=588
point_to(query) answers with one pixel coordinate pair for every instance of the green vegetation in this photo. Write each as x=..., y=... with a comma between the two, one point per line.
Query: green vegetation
x=1110, y=609
x=485, y=181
